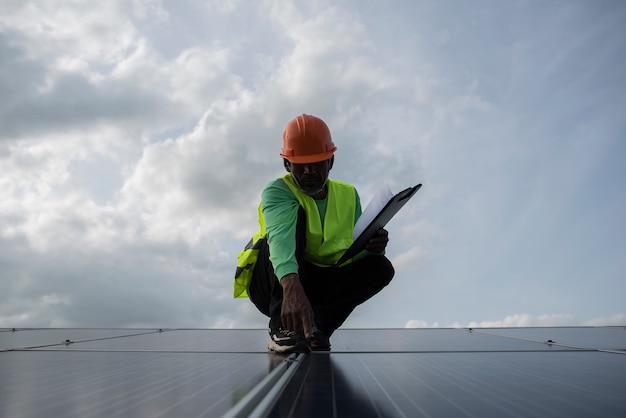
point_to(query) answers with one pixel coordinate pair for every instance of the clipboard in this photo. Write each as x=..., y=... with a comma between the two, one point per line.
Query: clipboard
x=380, y=220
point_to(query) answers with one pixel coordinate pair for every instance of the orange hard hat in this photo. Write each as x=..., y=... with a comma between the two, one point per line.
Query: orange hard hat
x=306, y=139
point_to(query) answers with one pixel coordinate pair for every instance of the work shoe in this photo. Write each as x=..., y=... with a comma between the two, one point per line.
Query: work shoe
x=284, y=341
x=319, y=341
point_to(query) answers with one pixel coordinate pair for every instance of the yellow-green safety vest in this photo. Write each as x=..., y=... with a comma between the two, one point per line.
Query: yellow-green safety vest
x=324, y=244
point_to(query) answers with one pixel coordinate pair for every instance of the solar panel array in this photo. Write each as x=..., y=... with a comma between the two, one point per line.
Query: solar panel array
x=569, y=372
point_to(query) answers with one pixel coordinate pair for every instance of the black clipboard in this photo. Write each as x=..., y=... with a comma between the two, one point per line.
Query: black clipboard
x=388, y=211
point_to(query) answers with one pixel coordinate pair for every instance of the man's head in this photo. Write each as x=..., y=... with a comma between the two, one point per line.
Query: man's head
x=308, y=151
x=310, y=177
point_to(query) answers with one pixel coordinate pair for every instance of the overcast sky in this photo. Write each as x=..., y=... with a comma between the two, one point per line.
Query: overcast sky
x=136, y=137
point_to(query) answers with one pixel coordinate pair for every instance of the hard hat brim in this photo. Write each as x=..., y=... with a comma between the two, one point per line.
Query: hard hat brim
x=308, y=159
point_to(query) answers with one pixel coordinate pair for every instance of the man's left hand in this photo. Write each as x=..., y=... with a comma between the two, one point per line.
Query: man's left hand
x=378, y=242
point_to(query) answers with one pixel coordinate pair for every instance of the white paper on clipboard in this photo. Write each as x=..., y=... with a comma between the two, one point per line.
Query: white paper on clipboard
x=373, y=208
x=390, y=206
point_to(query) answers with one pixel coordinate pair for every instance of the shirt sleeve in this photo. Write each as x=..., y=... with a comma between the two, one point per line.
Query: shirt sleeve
x=280, y=210
x=358, y=210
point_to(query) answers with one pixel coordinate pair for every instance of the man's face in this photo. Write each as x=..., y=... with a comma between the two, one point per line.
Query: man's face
x=311, y=178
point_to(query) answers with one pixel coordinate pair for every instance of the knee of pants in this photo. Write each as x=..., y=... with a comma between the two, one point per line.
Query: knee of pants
x=390, y=271
x=376, y=270
x=382, y=269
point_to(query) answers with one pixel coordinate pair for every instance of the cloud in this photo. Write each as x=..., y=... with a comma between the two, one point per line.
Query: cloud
x=418, y=323
x=527, y=320
x=153, y=242
x=616, y=320
x=137, y=136
x=426, y=237
x=72, y=32
x=409, y=258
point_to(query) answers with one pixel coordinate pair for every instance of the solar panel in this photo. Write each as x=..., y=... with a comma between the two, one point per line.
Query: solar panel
x=480, y=384
x=380, y=372
x=32, y=338
x=430, y=340
x=601, y=338
x=198, y=340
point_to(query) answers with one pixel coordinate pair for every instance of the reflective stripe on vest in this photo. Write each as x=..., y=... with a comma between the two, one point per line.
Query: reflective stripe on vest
x=247, y=259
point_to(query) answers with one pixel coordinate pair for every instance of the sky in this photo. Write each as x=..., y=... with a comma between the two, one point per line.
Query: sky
x=136, y=137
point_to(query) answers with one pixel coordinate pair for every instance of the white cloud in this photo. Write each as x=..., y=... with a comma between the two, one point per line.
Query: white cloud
x=70, y=31
x=526, y=320
x=413, y=256
x=617, y=320
x=150, y=9
x=222, y=6
x=132, y=160
x=182, y=198
x=418, y=323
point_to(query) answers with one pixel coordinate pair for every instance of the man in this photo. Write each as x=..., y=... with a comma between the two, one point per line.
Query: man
x=306, y=222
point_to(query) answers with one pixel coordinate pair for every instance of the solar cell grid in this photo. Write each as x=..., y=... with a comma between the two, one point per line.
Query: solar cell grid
x=457, y=384
x=381, y=372
x=601, y=338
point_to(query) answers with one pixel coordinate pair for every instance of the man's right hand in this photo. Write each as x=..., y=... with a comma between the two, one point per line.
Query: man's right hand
x=296, y=311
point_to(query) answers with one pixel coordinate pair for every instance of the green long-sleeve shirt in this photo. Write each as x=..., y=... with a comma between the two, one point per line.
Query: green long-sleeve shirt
x=280, y=211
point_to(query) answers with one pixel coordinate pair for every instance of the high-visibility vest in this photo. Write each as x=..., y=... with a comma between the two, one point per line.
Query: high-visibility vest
x=247, y=259
x=325, y=242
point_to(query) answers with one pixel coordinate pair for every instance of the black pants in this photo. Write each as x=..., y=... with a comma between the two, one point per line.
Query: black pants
x=333, y=292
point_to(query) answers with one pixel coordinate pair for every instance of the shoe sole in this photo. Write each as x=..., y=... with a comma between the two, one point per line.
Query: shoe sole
x=298, y=348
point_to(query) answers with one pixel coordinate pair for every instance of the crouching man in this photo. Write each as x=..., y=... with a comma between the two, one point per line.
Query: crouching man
x=306, y=222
